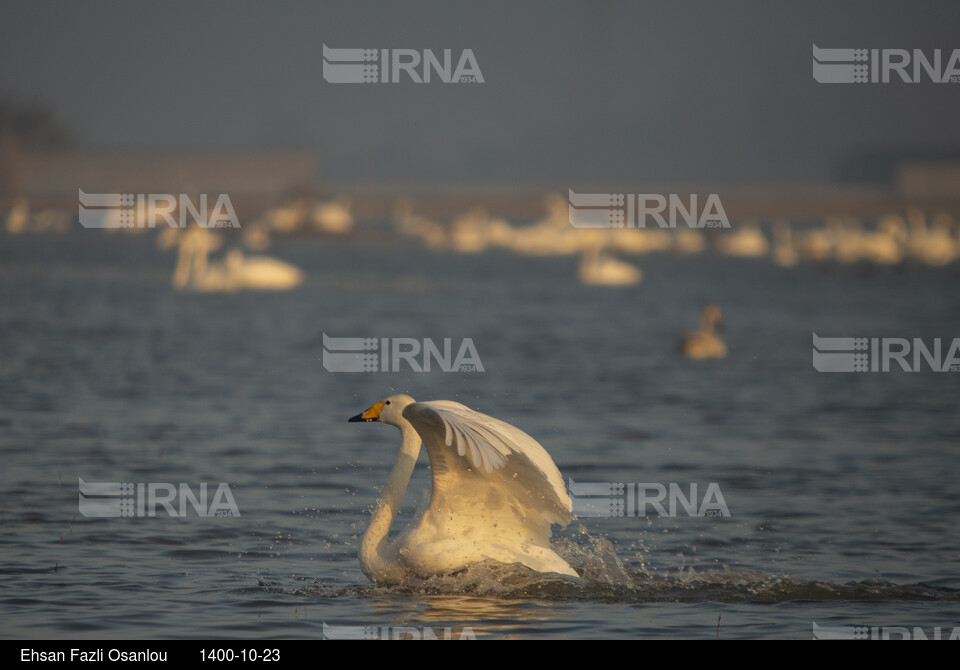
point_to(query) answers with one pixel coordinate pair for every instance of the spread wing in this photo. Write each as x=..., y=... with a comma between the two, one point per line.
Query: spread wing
x=488, y=470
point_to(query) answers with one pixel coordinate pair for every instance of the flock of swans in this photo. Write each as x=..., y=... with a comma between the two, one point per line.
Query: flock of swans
x=195, y=270
x=892, y=239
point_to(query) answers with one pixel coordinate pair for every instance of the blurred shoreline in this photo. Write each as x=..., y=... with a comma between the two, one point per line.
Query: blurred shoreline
x=258, y=181
x=798, y=204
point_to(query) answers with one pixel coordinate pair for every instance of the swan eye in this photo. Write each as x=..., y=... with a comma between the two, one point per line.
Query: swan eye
x=387, y=403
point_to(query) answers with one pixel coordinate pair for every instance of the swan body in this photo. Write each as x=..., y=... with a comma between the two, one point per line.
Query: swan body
x=884, y=246
x=495, y=495
x=705, y=343
x=475, y=231
x=236, y=272
x=748, y=241
x=599, y=269
x=334, y=216
x=260, y=272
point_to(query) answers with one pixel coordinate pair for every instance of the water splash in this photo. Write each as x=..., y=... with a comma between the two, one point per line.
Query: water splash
x=604, y=577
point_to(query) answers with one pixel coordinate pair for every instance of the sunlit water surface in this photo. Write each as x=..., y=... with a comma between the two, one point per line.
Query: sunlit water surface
x=841, y=487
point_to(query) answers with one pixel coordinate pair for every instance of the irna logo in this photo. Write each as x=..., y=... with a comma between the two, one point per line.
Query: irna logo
x=145, y=210
x=637, y=210
x=882, y=66
x=144, y=499
x=392, y=66
x=883, y=354
x=393, y=354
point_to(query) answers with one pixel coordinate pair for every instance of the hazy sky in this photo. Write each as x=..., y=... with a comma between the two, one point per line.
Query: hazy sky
x=575, y=92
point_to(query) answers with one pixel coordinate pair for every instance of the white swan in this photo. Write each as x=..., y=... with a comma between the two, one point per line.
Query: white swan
x=334, y=216
x=747, y=240
x=475, y=231
x=600, y=269
x=235, y=273
x=261, y=272
x=495, y=494
x=884, y=246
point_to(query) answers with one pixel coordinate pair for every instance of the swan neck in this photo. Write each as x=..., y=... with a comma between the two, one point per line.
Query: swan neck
x=376, y=559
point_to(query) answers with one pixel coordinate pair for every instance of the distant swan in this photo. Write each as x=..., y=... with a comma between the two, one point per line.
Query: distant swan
x=784, y=254
x=334, y=216
x=598, y=269
x=934, y=245
x=495, y=494
x=260, y=272
x=236, y=272
x=705, y=343
x=748, y=240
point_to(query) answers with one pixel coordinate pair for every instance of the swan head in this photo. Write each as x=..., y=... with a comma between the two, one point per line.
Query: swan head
x=712, y=317
x=389, y=410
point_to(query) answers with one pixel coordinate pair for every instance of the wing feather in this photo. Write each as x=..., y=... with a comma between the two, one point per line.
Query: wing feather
x=462, y=442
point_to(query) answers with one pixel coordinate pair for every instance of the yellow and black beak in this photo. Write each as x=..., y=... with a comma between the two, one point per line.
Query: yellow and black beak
x=371, y=414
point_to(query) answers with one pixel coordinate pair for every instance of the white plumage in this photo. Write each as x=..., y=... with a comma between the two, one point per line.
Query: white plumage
x=495, y=494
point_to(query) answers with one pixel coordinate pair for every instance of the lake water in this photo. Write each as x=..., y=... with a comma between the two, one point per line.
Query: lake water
x=841, y=488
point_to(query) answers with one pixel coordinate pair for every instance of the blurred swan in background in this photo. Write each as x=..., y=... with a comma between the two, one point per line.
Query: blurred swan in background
x=884, y=246
x=416, y=225
x=194, y=245
x=475, y=231
x=552, y=235
x=689, y=241
x=599, y=269
x=333, y=216
x=746, y=240
x=288, y=217
x=495, y=494
x=236, y=272
x=932, y=245
x=18, y=217
x=259, y=272
x=705, y=343
x=817, y=244
x=784, y=254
